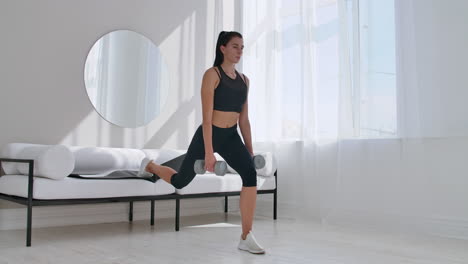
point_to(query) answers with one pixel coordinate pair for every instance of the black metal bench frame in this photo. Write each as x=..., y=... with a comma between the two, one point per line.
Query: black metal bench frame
x=30, y=201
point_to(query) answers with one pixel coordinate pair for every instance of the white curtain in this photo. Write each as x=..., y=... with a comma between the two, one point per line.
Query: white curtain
x=296, y=56
x=314, y=106
x=291, y=57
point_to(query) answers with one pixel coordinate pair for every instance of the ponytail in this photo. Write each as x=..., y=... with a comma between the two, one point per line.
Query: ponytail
x=223, y=39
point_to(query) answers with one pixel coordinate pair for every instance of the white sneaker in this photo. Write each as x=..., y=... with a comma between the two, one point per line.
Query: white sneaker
x=142, y=172
x=250, y=244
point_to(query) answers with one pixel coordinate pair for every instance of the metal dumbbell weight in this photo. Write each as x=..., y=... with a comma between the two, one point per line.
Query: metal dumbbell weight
x=220, y=167
x=259, y=161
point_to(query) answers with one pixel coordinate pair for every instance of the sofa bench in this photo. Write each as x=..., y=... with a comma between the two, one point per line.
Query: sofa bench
x=43, y=175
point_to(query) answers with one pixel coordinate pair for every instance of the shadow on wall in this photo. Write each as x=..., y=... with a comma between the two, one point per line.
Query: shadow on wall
x=48, y=42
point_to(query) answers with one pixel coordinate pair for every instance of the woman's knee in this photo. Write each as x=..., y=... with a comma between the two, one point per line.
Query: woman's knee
x=181, y=180
x=179, y=184
x=249, y=178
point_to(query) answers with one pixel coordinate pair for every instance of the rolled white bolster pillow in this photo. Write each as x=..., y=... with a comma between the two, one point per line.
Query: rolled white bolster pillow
x=11, y=151
x=50, y=161
x=102, y=160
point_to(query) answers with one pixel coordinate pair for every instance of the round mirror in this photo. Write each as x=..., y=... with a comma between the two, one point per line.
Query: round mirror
x=126, y=78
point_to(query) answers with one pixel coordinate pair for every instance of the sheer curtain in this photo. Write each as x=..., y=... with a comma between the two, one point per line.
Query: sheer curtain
x=350, y=148
x=291, y=56
x=300, y=103
x=305, y=105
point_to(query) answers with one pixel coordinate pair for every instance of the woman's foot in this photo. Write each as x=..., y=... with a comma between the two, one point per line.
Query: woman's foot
x=143, y=172
x=250, y=244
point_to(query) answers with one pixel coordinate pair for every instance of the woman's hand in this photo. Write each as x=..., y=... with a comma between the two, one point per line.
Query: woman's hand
x=210, y=161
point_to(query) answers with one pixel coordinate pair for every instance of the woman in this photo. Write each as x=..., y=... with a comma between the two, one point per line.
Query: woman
x=224, y=101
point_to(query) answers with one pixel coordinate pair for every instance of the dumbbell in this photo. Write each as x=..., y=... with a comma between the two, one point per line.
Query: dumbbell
x=259, y=161
x=220, y=167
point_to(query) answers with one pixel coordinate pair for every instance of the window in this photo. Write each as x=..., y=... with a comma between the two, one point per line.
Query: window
x=321, y=68
x=374, y=71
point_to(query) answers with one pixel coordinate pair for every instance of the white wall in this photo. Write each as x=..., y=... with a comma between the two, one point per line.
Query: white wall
x=432, y=50
x=43, y=49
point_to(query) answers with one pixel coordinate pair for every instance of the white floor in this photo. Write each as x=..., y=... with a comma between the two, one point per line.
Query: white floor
x=213, y=238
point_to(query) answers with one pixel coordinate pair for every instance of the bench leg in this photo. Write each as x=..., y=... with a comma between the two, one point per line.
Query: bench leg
x=30, y=203
x=225, y=204
x=177, y=214
x=275, y=205
x=130, y=212
x=152, y=212
x=28, y=227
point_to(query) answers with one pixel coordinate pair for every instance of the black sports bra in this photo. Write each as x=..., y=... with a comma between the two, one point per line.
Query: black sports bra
x=231, y=94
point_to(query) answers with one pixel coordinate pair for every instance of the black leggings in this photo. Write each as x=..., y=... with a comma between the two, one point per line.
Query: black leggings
x=228, y=144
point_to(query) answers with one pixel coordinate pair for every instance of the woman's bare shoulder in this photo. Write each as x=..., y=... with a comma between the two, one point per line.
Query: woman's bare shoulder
x=212, y=76
x=214, y=71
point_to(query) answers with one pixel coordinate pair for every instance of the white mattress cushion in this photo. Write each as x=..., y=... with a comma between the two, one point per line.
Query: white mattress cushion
x=50, y=161
x=230, y=182
x=72, y=188
x=101, y=160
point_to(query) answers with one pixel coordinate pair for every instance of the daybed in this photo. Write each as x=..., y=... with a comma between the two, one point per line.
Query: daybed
x=40, y=175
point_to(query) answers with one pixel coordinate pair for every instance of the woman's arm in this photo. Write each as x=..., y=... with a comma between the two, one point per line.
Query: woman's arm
x=210, y=78
x=244, y=123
